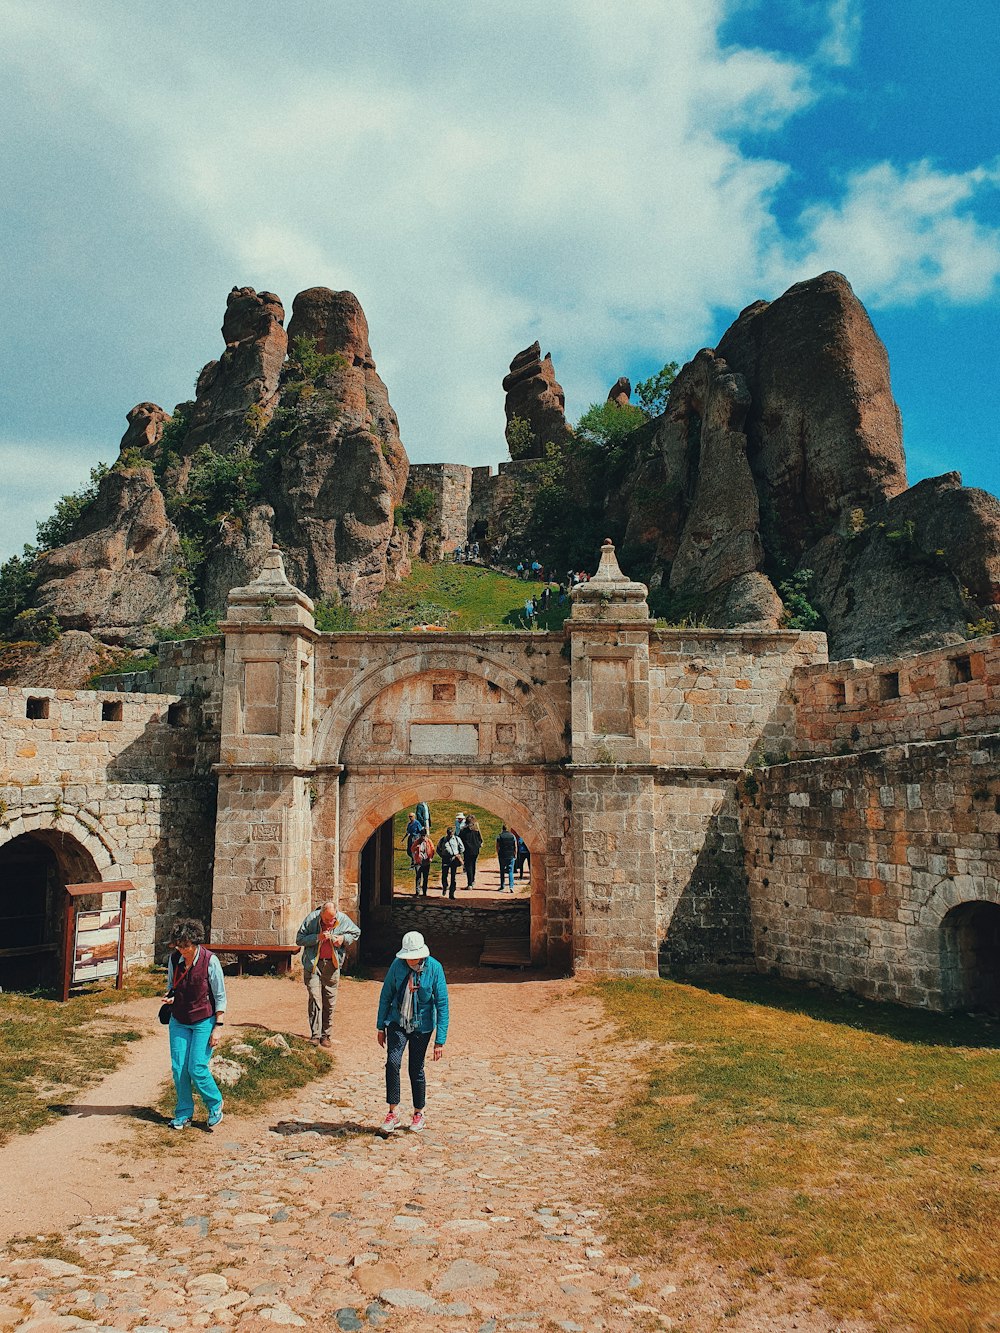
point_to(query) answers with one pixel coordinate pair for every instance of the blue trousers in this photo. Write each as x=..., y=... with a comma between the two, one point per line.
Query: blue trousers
x=507, y=873
x=189, y=1065
x=396, y=1041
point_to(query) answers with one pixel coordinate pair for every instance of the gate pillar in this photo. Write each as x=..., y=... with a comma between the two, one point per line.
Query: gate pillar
x=262, y=885
x=612, y=776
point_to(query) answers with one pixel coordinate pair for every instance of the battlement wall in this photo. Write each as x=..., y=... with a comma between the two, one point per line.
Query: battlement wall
x=935, y=695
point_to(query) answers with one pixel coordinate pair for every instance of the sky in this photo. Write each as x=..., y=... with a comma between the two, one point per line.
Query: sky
x=617, y=182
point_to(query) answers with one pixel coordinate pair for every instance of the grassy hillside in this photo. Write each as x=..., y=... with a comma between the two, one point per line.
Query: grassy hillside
x=454, y=596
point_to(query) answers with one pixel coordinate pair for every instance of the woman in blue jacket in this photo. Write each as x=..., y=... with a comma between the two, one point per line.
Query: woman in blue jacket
x=412, y=1008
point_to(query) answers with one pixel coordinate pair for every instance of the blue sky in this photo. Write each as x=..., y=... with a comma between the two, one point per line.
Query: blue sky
x=617, y=184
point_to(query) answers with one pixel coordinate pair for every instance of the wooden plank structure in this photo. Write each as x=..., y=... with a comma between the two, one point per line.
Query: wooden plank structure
x=511, y=948
x=279, y=955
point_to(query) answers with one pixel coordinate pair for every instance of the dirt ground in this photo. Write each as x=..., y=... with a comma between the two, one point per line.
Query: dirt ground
x=304, y=1216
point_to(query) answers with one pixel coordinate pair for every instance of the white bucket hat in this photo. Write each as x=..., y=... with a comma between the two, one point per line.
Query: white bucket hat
x=413, y=946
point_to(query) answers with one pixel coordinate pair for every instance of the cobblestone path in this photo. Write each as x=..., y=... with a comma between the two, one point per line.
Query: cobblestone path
x=306, y=1217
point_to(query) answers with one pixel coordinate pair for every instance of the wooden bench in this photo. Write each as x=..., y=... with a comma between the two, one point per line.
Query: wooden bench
x=280, y=955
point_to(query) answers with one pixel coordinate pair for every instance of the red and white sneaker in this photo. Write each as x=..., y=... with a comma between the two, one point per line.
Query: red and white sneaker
x=418, y=1122
x=390, y=1124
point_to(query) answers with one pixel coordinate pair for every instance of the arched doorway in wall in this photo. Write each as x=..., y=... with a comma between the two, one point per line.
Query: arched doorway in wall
x=34, y=870
x=481, y=924
x=970, y=957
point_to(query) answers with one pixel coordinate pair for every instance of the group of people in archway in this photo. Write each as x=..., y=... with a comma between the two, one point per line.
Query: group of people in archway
x=459, y=846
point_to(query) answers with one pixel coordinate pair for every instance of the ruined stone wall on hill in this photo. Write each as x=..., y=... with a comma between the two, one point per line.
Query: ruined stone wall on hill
x=450, y=484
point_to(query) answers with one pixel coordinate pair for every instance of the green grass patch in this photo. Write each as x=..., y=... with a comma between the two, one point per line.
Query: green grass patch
x=49, y=1051
x=269, y=1070
x=452, y=595
x=795, y=1135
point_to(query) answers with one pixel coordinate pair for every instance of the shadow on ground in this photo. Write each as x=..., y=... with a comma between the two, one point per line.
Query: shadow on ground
x=916, y=1027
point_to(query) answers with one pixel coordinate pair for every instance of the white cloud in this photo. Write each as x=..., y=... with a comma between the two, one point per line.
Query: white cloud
x=480, y=178
x=906, y=234
x=839, y=45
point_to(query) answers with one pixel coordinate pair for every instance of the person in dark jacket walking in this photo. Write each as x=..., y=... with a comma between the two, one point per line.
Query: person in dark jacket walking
x=412, y=1007
x=449, y=849
x=196, y=990
x=472, y=841
x=506, y=854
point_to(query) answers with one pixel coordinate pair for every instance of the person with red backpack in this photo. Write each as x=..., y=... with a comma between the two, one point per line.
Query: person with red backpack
x=421, y=856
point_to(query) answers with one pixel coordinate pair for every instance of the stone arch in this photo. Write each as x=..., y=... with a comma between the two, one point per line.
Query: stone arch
x=59, y=828
x=336, y=722
x=970, y=956
x=41, y=851
x=951, y=893
x=361, y=817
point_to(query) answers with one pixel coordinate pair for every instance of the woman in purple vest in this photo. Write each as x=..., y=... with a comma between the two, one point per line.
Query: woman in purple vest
x=198, y=994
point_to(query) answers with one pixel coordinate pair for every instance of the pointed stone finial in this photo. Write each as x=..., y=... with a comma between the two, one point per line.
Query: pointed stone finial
x=609, y=570
x=270, y=598
x=610, y=594
x=273, y=572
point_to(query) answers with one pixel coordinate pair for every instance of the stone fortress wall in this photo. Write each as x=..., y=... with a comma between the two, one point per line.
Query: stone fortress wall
x=694, y=799
x=873, y=849
x=117, y=786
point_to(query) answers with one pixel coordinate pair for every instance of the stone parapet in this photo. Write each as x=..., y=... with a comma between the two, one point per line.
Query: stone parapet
x=935, y=695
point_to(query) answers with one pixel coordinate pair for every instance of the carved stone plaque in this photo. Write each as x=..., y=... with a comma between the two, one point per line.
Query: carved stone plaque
x=459, y=738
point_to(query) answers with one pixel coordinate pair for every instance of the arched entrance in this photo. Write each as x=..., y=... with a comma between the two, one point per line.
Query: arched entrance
x=35, y=868
x=970, y=957
x=368, y=851
x=485, y=922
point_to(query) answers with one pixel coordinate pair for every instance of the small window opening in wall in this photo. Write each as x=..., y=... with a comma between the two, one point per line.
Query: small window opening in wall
x=838, y=692
x=178, y=714
x=888, y=685
x=961, y=670
x=111, y=712
x=36, y=708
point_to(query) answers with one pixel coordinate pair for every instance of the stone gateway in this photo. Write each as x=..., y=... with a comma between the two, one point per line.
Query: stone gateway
x=694, y=799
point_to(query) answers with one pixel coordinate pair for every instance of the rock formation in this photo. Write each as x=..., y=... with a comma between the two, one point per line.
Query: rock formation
x=118, y=578
x=236, y=395
x=145, y=429
x=823, y=431
x=534, y=397
x=303, y=451
x=781, y=451
x=621, y=391
x=343, y=468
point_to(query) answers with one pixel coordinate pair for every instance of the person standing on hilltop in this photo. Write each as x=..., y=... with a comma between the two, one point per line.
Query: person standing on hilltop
x=421, y=856
x=413, y=831
x=449, y=849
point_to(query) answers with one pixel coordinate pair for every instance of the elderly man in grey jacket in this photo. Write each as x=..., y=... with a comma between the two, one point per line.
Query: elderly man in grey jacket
x=324, y=936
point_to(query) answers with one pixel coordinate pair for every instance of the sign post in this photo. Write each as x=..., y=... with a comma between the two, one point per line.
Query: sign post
x=94, y=940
